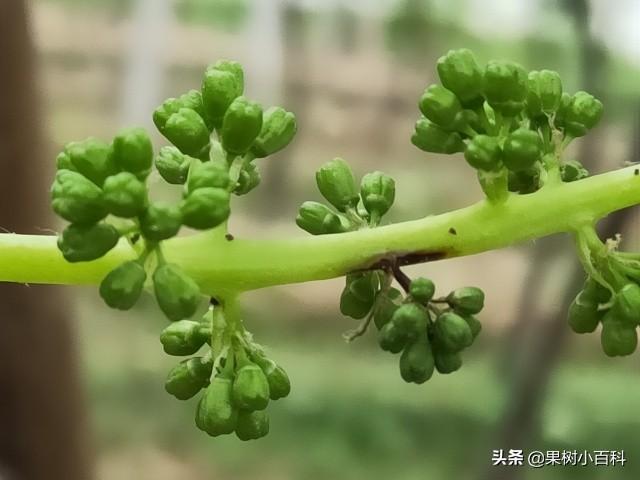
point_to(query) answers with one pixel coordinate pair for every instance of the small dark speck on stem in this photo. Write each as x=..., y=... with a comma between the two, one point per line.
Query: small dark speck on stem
x=453, y=231
x=636, y=171
x=228, y=236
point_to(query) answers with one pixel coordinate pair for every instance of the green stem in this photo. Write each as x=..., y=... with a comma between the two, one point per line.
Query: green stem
x=235, y=169
x=590, y=251
x=222, y=266
x=495, y=185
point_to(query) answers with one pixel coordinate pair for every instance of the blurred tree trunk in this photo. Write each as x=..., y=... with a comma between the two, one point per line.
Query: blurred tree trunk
x=41, y=421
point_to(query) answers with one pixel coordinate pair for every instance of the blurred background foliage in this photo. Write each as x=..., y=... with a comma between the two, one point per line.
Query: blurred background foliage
x=353, y=71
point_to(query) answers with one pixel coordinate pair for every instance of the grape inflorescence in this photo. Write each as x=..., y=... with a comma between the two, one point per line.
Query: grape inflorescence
x=511, y=126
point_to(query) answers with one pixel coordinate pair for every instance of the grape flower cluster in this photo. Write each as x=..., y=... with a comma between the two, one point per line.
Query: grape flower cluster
x=429, y=332
x=101, y=189
x=512, y=127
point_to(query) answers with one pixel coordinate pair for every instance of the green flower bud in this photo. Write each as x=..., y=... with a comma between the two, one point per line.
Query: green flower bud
x=582, y=114
x=412, y=319
x=182, y=338
x=618, y=338
x=422, y=289
x=459, y=72
x=337, y=184
x=466, y=300
x=363, y=286
x=318, y=219
x=132, y=151
x=251, y=388
x=124, y=195
x=191, y=100
x=544, y=92
x=173, y=165
x=91, y=158
x=205, y=208
x=387, y=303
x=447, y=362
x=593, y=292
x=241, y=125
x=626, y=305
x=220, y=87
x=452, y=332
x=122, y=286
x=277, y=378
x=178, y=295
x=583, y=314
x=199, y=416
x=573, y=170
x=76, y=199
x=467, y=119
x=353, y=306
x=160, y=221
x=524, y=181
x=378, y=191
x=216, y=414
x=188, y=377
x=440, y=105
x=522, y=149
x=233, y=67
x=252, y=425
x=474, y=325
x=484, y=153
x=429, y=137
x=392, y=338
x=248, y=180
x=505, y=86
x=208, y=175
x=278, y=129
x=63, y=162
x=417, y=362
x=187, y=131
x=163, y=112
x=83, y=243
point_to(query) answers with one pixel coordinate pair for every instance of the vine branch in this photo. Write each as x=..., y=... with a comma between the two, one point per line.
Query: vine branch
x=221, y=266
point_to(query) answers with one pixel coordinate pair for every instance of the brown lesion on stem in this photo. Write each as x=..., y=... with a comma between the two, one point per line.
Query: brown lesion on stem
x=392, y=261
